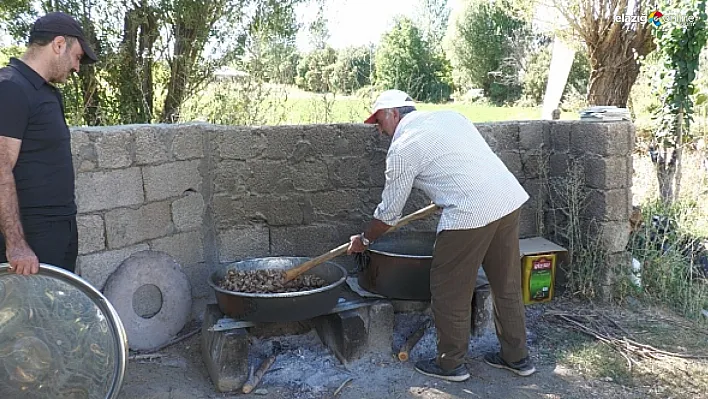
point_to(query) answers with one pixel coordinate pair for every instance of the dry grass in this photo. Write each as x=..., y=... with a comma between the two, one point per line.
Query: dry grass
x=663, y=376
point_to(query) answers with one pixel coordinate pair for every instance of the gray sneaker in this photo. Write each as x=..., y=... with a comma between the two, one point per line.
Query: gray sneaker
x=430, y=368
x=523, y=367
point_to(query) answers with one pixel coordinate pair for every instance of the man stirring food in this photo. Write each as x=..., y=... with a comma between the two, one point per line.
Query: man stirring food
x=443, y=154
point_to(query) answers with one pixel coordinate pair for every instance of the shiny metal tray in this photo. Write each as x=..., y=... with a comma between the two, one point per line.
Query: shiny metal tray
x=59, y=337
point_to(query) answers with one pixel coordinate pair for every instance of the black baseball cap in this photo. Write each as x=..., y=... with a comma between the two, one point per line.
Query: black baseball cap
x=61, y=24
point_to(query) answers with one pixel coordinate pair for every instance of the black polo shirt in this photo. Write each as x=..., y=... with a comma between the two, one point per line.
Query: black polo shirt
x=32, y=110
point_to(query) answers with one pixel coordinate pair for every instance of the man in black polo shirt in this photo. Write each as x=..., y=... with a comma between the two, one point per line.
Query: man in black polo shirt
x=37, y=207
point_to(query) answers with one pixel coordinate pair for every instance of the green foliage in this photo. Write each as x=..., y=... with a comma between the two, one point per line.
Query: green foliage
x=352, y=70
x=680, y=45
x=315, y=70
x=7, y=52
x=489, y=48
x=405, y=61
x=665, y=245
x=536, y=74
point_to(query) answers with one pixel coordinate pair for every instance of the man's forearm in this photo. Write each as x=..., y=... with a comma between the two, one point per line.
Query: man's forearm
x=10, y=223
x=375, y=229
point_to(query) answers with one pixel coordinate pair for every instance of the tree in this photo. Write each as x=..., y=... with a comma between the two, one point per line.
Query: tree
x=536, y=74
x=432, y=18
x=615, y=47
x=319, y=34
x=123, y=87
x=315, y=70
x=680, y=45
x=489, y=46
x=352, y=70
x=405, y=61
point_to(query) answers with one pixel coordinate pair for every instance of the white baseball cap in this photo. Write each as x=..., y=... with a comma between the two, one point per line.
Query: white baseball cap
x=390, y=99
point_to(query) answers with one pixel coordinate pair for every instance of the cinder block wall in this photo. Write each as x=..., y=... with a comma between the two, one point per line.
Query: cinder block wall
x=209, y=195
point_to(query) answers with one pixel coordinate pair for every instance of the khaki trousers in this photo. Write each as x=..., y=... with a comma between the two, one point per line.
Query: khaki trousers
x=456, y=260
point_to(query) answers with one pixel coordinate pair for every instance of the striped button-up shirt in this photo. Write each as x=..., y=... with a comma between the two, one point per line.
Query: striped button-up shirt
x=443, y=154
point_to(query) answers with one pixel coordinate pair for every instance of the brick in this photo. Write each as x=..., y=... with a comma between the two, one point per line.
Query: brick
x=91, y=233
x=239, y=143
x=171, y=179
x=310, y=176
x=97, y=191
x=281, y=143
x=228, y=211
x=152, y=145
x=560, y=136
x=528, y=222
x=533, y=165
x=230, y=177
x=188, y=142
x=340, y=205
x=610, y=205
x=239, y=243
x=531, y=135
x=376, y=161
x=308, y=240
x=225, y=353
x=601, y=138
x=188, y=212
x=344, y=333
x=512, y=160
x=607, y=173
x=614, y=235
x=559, y=165
x=83, y=150
x=97, y=267
x=186, y=248
x=127, y=226
x=268, y=177
x=350, y=172
x=380, y=327
x=324, y=138
x=482, y=312
x=114, y=149
x=276, y=211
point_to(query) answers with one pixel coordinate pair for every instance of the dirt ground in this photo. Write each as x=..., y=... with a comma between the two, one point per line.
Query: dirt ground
x=570, y=364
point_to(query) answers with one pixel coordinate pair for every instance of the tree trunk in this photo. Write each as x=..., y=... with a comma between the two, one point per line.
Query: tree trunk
x=182, y=60
x=611, y=84
x=679, y=154
x=92, y=99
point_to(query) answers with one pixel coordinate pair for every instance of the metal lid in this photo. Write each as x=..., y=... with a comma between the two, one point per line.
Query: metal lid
x=59, y=337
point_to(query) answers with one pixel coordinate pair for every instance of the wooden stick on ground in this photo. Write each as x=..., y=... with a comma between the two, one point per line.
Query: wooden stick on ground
x=254, y=379
x=404, y=352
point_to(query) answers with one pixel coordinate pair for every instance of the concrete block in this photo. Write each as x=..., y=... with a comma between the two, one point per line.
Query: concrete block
x=280, y=143
x=482, y=312
x=84, y=153
x=97, y=267
x=269, y=177
x=601, y=138
x=198, y=273
x=186, y=248
x=276, y=211
x=614, y=236
x=324, y=138
x=188, y=211
x=559, y=165
x=97, y=191
x=531, y=135
x=239, y=143
x=240, y=243
x=310, y=176
x=188, y=142
x=92, y=236
x=127, y=226
x=610, y=205
x=152, y=145
x=512, y=160
x=380, y=327
x=560, y=136
x=345, y=334
x=307, y=240
x=350, y=172
x=225, y=353
x=486, y=130
x=228, y=211
x=534, y=165
x=376, y=161
x=114, y=149
x=341, y=205
x=171, y=179
x=607, y=172
x=528, y=221
x=230, y=177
